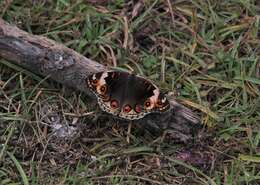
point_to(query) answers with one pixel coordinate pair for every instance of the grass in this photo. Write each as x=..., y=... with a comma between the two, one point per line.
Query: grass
x=207, y=52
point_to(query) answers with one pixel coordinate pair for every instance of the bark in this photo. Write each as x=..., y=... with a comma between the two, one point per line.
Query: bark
x=49, y=58
x=45, y=57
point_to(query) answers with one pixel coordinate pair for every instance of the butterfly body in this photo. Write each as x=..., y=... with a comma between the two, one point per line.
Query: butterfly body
x=126, y=95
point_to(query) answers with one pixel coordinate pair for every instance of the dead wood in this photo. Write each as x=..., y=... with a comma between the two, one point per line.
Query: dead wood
x=49, y=58
x=45, y=57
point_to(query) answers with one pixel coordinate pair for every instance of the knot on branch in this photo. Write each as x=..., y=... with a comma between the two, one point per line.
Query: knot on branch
x=56, y=60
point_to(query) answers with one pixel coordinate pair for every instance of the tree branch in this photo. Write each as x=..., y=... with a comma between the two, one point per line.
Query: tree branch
x=46, y=57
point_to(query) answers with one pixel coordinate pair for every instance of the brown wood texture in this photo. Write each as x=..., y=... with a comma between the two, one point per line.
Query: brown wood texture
x=48, y=58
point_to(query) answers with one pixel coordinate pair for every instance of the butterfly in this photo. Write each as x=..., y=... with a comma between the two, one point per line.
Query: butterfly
x=126, y=95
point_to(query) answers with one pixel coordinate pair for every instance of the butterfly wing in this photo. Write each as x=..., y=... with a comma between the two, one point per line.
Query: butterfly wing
x=126, y=95
x=144, y=97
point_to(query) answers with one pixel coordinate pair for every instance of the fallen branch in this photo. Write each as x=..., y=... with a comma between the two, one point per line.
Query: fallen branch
x=49, y=58
x=45, y=57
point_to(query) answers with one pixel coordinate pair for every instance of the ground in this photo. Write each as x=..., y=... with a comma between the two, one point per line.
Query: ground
x=206, y=52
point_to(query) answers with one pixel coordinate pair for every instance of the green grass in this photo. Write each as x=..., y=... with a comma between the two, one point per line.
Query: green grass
x=207, y=52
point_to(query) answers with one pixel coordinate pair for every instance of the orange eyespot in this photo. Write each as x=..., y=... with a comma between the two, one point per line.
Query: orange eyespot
x=159, y=102
x=114, y=104
x=103, y=89
x=147, y=103
x=94, y=82
x=127, y=108
x=138, y=108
